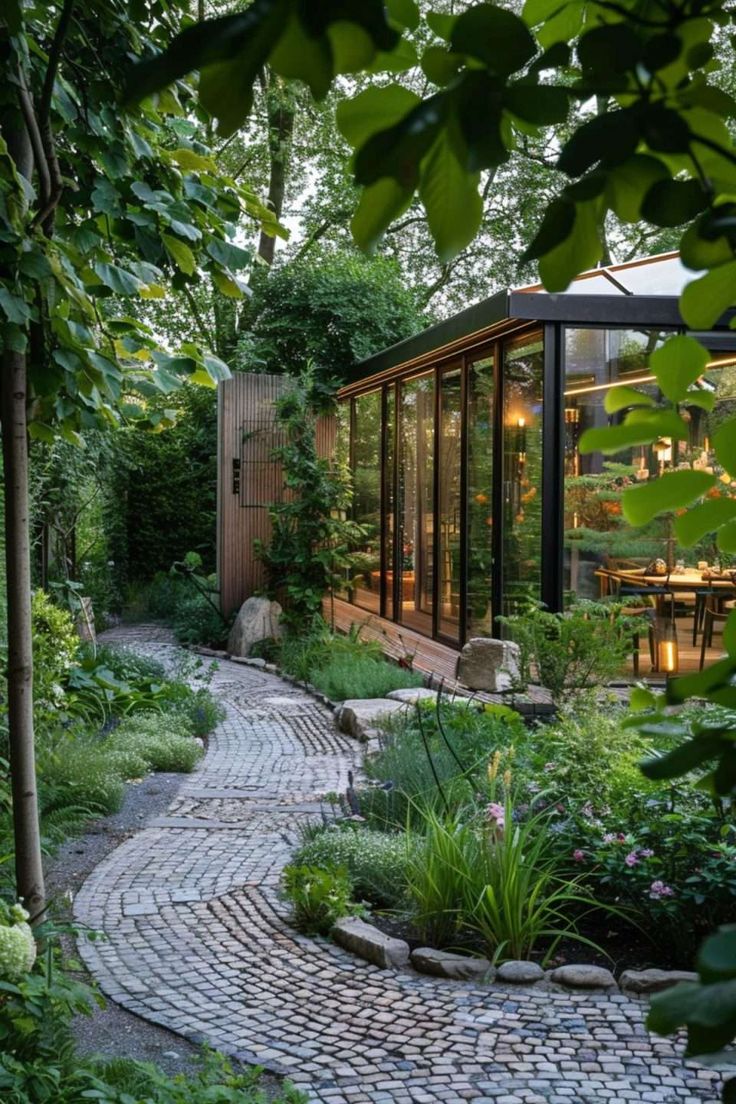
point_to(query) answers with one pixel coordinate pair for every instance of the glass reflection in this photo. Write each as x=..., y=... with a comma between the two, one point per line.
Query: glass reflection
x=480, y=495
x=450, y=503
x=415, y=507
x=365, y=581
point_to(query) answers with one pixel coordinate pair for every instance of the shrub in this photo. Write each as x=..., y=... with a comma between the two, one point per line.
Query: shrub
x=575, y=651
x=78, y=776
x=55, y=644
x=375, y=861
x=318, y=897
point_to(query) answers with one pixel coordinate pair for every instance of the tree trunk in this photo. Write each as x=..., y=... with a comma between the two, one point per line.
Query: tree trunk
x=280, y=110
x=13, y=418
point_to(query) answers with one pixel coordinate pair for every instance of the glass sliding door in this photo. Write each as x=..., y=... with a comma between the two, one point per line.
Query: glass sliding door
x=522, y=471
x=450, y=502
x=479, y=620
x=365, y=581
x=415, y=506
x=389, y=505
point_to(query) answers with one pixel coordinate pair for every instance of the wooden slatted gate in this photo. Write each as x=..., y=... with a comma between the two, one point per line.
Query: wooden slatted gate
x=249, y=480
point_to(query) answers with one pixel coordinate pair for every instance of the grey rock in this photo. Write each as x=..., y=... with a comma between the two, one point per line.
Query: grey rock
x=371, y=944
x=487, y=664
x=653, y=981
x=427, y=960
x=258, y=619
x=520, y=972
x=246, y=662
x=360, y=716
x=583, y=977
x=412, y=694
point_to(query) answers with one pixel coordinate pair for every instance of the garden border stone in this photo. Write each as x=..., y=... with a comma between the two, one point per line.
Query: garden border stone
x=370, y=943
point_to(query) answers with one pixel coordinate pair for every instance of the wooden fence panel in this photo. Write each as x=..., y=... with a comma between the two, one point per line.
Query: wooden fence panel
x=249, y=480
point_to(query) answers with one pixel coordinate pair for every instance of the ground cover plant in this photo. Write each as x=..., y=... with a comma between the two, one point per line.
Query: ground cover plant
x=341, y=665
x=520, y=840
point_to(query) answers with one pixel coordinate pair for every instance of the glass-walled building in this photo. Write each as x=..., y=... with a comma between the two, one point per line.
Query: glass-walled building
x=464, y=443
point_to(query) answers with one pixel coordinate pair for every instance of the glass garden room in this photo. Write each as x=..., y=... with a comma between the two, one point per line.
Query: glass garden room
x=468, y=478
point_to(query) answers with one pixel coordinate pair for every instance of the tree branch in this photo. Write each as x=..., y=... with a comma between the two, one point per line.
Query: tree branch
x=47, y=92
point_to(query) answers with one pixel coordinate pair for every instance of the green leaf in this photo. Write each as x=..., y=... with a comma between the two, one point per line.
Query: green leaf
x=439, y=65
x=373, y=110
x=191, y=161
x=13, y=15
x=564, y=26
x=724, y=443
x=726, y=536
x=579, y=251
x=117, y=279
x=557, y=224
x=628, y=183
x=398, y=150
x=441, y=24
x=229, y=255
x=729, y=643
x=701, y=520
x=677, y=364
x=539, y=104
x=673, y=202
x=450, y=196
x=246, y=37
x=610, y=139
x=180, y=253
x=14, y=307
x=610, y=48
x=681, y=760
x=379, y=205
x=226, y=285
x=640, y=428
x=495, y=36
x=669, y=492
x=704, y=301
x=404, y=12
x=618, y=398
x=642, y=699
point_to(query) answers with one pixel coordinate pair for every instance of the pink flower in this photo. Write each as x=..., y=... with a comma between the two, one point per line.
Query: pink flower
x=496, y=812
x=632, y=859
x=646, y=853
x=610, y=837
x=657, y=890
x=578, y=856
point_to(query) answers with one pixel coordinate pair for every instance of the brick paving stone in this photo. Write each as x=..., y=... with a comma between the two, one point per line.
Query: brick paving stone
x=198, y=940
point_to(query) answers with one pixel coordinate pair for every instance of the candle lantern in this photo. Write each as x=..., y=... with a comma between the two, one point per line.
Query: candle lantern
x=665, y=640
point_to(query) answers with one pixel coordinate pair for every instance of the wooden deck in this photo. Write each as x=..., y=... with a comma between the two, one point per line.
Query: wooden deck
x=439, y=661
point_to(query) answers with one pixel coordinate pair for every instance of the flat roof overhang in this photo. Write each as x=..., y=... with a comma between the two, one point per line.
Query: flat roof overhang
x=507, y=311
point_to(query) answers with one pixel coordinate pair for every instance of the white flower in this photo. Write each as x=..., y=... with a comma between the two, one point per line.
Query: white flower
x=17, y=951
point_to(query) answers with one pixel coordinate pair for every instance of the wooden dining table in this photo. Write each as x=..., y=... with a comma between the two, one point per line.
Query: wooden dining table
x=689, y=579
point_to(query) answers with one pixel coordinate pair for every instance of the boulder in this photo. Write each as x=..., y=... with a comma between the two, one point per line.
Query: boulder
x=653, y=981
x=371, y=944
x=359, y=716
x=258, y=619
x=583, y=977
x=491, y=665
x=427, y=960
x=412, y=694
x=520, y=972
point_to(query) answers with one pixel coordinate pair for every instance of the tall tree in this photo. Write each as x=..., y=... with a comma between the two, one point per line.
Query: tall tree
x=98, y=211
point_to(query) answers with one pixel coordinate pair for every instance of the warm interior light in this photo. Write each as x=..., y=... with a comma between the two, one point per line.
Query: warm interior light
x=723, y=362
x=521, y=422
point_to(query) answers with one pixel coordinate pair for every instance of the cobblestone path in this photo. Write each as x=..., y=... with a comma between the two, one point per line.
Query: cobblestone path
x=197, y=940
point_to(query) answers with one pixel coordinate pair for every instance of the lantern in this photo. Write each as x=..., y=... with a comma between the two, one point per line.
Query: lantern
x=665, y=640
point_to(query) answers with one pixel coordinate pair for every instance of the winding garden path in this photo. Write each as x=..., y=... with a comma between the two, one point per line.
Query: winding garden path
x=198, y=940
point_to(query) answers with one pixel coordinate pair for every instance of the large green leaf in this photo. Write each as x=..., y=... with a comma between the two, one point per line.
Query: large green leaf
x=669, y=492
x=717, y=956
x=180, y=253
x=373, y=110
x=704, y=301
x=677, y=364
x=117, y=279
x=450, y=197
x=497, y=37
x=724, y=443
x=640, y=428
x=610, y=138
x=697, y=522
x=673, y=202
x=581, y=249
x=379, y=205
x=726, y=537
x=539, y=104
x=629, y=182
x=398, y=151
x=621, y=397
